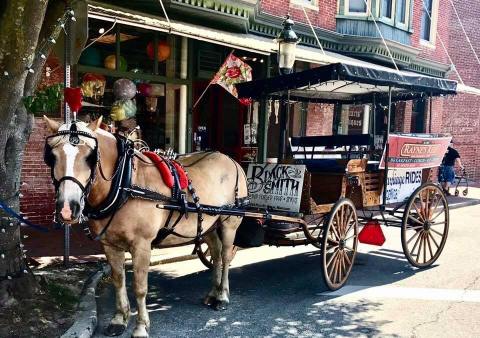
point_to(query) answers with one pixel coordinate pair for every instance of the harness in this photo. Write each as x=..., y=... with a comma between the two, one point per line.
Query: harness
x=122, y=188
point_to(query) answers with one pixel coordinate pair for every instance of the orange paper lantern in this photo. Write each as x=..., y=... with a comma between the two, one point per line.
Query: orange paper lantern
x=163, y=51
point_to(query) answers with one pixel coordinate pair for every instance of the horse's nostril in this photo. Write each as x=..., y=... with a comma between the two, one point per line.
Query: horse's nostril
x=75, y=207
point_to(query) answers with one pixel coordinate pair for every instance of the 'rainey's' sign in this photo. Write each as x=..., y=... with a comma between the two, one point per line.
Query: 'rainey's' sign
x=275, y=186
x=415, y=150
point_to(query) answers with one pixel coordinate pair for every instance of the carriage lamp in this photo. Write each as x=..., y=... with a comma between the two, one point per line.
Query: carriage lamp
x=287, y=44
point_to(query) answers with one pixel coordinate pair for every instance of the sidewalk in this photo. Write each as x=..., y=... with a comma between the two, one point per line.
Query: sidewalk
x=47, y=248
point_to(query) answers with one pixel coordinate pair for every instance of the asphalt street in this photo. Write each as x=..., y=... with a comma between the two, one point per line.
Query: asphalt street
x=279, y=292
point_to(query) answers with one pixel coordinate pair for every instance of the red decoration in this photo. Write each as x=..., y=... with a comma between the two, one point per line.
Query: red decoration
x=245, y=101
x=73, y=97
x=163, y=50
x=165, y=171
x=372, y=234
x=145, y=89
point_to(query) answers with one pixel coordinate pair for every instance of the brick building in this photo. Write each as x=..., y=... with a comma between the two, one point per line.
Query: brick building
x=414, y=31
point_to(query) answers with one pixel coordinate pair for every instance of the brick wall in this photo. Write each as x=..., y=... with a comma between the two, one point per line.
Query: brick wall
x=37, y=202
x=324, y=17
x=319, y=119
x=461, y=114
x=38, y=192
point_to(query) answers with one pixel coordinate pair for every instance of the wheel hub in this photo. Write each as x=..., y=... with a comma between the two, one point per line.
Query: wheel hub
x=341, y=244
x=426, y=226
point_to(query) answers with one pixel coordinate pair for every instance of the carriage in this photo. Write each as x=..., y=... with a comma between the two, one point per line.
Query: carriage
x=332, y=191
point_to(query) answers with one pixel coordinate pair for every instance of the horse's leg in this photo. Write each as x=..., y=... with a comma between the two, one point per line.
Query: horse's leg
x=215, y=247
x=141, y=261
x=116, y=259
x=229, y=228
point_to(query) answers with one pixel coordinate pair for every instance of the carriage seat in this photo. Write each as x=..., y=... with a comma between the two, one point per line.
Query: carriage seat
x=328, y=153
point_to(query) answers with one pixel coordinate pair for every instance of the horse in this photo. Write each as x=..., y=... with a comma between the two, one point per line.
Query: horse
x=83, y=161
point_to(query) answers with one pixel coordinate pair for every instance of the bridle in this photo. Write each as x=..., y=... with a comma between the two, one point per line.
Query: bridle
x=74, y=139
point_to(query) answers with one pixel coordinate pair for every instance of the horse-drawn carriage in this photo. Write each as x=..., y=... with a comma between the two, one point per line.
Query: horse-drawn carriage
x=329, y=179
x=134, y=201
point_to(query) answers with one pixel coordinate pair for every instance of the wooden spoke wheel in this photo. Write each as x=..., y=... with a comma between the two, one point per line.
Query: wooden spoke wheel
x=206, y=258
x=339, y=243
x=425, y=225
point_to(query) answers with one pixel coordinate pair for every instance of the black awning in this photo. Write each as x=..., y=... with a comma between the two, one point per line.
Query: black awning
x=346, y=83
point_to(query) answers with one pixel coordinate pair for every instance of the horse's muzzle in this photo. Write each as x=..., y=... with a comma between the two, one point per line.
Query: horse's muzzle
x=68, y=211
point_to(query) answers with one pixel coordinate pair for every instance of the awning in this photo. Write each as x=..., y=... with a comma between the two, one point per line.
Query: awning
x=248, y=42
x=347, y=83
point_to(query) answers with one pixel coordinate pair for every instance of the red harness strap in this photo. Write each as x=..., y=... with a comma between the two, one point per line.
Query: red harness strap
x=165, y=172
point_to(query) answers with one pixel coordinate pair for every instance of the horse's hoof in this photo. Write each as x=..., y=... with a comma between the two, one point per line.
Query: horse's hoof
x=140, y=332
x=209, y=300
x=220, y=305
x=115, y=330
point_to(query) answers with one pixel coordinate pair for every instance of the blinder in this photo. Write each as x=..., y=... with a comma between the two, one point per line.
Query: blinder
x=74, y=139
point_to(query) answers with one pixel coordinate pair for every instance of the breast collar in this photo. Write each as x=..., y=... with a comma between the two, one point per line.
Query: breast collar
x=121, y=183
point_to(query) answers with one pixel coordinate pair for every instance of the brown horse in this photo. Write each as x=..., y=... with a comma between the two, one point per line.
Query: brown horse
x=135, y=225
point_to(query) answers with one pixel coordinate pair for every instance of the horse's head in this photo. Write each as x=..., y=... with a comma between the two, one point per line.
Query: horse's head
x=72, y=154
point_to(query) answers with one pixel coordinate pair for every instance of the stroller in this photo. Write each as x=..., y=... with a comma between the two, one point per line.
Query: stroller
x=459, y=179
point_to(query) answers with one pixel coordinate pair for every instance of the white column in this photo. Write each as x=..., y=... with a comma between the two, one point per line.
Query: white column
x=366, y=119
x=182, y=117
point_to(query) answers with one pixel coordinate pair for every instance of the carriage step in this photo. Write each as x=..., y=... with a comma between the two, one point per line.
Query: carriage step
x=283, y=226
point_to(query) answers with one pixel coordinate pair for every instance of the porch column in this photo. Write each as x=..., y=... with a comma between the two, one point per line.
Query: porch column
x=182, y=116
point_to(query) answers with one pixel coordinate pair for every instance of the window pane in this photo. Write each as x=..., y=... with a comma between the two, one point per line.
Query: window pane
x=401, y=10
x=357, y=6
x=387, y=8
x=426, y=19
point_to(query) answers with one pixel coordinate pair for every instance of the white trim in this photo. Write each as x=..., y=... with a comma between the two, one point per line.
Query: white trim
x=430, y=43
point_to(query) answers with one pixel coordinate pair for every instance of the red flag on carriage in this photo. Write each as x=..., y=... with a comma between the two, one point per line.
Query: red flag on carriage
x=232, y=71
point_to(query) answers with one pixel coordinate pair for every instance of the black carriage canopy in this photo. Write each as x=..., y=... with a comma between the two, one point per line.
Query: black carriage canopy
x=347, y=83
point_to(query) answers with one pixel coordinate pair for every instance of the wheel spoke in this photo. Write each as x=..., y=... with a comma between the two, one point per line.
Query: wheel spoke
x=438, y=233
x=439, y=198
x=436, y=216
x=334, y=231
x=424, y=248
x=416, y=242
x=353, y=236
x=347, y=259
x=427, y=239
x=340, y=264
x=334, y=268
x=439, y=223
x=434, y=241
x=414, y=219
x=414, y=228
x=415, y=235
x=419, y=248
x=419, y=213
x=331, y=259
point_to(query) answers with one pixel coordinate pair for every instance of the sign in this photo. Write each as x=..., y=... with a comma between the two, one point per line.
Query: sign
x=275, y=186
x=355, y=119
x=249, y=134
x=401, y=183
x=415, y=150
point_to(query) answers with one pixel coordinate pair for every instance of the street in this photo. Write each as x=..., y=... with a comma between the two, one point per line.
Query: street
x=279, y=292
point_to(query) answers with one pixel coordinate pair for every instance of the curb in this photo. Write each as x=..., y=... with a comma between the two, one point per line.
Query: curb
x=463, y=204
x=86, y=322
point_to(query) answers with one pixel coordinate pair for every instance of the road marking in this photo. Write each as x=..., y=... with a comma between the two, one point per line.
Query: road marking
x=398, y=292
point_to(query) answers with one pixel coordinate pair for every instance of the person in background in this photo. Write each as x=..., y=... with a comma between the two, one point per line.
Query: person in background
x=446, y=174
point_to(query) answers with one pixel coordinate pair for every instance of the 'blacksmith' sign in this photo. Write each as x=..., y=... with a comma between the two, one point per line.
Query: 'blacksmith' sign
x=275, y=186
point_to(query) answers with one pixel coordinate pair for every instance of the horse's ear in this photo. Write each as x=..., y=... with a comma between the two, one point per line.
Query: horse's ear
x=51, y=124
x=94, y=125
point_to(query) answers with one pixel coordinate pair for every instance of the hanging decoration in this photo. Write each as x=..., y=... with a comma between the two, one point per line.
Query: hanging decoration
x=93, y=85
x=163, y=50
x=145, y=89
x=73, y=97
x=124, y=89
x=123, y=109
x=111, y=60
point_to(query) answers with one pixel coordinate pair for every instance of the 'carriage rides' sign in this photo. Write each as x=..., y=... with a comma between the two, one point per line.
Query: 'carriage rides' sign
x=275, y=186
x=401, y=183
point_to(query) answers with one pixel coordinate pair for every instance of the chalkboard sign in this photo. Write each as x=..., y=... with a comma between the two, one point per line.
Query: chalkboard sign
x=275, y=186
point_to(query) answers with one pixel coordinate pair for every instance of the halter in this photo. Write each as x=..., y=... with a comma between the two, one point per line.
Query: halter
x=74, y=139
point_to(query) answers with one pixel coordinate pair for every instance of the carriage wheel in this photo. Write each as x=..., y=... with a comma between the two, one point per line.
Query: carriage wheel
x=339, y=243
x=425, y=225
x=206, y=258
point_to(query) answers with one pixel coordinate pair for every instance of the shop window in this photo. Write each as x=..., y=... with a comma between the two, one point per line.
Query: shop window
x=351, y=119
x=429, y=21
